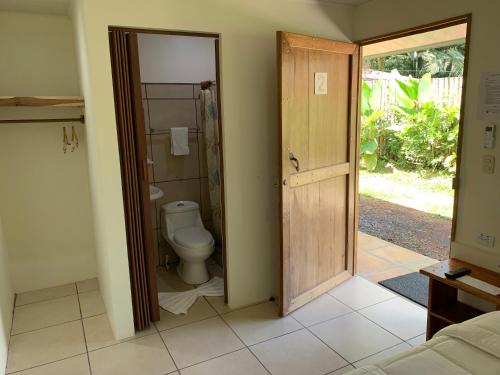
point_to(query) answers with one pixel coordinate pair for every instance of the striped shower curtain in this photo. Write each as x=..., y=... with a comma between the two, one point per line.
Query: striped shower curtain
x=209, y=121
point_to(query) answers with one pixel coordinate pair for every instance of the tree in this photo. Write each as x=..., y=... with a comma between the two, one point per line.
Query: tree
x=440, y=62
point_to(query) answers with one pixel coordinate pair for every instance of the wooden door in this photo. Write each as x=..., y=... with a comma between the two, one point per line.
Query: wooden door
x=318, y=91
x=135, y=181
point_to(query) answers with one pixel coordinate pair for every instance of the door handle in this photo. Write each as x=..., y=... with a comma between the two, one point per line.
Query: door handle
x=294, y=161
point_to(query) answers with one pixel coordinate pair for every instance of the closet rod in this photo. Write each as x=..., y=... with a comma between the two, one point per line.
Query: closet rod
x=40, y=120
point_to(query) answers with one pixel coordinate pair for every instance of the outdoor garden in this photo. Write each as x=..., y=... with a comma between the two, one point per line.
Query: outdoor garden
x=410, y=111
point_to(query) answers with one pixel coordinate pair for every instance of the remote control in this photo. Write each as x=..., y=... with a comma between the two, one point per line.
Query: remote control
x=454, y=274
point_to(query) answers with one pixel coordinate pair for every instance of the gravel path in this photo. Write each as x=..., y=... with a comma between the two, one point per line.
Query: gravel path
x=415, y=230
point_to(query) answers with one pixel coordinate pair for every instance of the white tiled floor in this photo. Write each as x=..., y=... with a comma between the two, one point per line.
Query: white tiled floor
x=59, y=331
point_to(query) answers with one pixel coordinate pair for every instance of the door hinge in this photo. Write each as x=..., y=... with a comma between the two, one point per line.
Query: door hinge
x=454, y=183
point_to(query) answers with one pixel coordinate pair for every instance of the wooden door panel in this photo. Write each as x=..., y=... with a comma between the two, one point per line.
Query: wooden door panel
x=296, y=107
x=333, y=226
x=329, y=124
x=317, y=195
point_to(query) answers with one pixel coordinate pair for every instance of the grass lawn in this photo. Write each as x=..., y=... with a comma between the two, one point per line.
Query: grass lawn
x=429, y=194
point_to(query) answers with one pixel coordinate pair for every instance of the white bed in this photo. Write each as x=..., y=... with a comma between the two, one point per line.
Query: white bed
x=472, y=347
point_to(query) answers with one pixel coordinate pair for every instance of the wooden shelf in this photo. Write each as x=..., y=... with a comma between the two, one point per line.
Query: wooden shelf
x=444, y=308
x=42, y=101
x=455, y=312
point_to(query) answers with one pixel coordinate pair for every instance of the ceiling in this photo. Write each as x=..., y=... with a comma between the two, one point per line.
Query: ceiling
x=417, y=42
x=59, y=7
x=351, y=2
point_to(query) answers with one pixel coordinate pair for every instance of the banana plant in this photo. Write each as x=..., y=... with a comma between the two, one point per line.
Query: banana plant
x=370, y=118
x=412, y=95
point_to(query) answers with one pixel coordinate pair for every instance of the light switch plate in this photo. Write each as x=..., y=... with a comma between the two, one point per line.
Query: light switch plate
x=485, y=239
x=489, y=164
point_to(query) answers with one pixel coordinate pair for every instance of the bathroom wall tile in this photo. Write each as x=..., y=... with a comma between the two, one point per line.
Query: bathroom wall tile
x=168, y=167
x=155, y=246
x=143, y=91
x=198, y=114
x=145, y=109
x=164, y=248
x=206, y=211
x=166, y=114
x=196, y=89
x=188, y=190
x=150, y=157
x=170, y=91
x=154, y=218
x=203, y=155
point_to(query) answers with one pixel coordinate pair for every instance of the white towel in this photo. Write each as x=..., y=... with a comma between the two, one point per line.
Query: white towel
x=179, y=141
x=180, y=302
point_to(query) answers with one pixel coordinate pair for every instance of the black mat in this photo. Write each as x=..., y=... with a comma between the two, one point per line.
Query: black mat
x=414, y=286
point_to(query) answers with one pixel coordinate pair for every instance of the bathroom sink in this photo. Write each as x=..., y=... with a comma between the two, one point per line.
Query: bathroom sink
x=155, y=193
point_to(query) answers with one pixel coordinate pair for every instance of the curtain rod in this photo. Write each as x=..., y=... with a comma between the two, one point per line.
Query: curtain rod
x=80, y=119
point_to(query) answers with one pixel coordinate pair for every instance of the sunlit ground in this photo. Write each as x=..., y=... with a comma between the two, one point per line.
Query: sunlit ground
x=429, y=194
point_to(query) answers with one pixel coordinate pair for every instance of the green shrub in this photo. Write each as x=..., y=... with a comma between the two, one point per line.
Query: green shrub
x=421, y=134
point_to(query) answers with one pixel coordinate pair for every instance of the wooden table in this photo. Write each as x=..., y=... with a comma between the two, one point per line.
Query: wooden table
x=444, y=308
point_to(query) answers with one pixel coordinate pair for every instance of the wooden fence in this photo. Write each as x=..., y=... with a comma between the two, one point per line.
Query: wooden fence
x=445, y=91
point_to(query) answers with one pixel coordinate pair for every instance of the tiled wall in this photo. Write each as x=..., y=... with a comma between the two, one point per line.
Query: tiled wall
x=180, y=177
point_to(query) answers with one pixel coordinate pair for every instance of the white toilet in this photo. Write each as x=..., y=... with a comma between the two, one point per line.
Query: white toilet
x=183, y=229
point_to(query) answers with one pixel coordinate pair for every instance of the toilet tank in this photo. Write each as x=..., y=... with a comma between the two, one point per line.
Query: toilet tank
x=180, y=214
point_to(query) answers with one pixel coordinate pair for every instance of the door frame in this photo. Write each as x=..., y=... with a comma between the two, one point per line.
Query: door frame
x=217, y=48
x=459, y=20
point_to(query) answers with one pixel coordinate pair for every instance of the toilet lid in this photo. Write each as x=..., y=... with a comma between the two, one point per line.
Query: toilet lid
x=193, y=237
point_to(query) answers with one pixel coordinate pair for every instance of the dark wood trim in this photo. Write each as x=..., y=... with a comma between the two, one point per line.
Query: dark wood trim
x=221, y=165
x=141, y=159
x=139, y=30
x=356, y=161
x=461, y=129
x=283, y=305
x=135, y=183
x=315, y=43
x=417, y=30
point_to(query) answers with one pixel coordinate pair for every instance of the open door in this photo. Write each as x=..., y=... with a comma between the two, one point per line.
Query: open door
x=318, y=91
x=135, y=182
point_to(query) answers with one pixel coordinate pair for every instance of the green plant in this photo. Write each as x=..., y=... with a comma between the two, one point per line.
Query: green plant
x=428, y=132
x=370, y=119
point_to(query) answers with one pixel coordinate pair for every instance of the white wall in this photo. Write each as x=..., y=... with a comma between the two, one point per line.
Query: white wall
x=479, y=203
x=248, y=62
x=176, y=59
x=6, y=302
x=44, y=194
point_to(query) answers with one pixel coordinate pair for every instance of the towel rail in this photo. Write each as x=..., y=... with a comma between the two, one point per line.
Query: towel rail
x=80, y=119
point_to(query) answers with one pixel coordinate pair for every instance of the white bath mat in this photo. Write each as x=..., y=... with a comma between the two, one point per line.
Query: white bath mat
x=180, y=302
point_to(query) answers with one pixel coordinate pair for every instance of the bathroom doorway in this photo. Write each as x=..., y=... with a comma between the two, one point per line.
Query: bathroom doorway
x=175, y=169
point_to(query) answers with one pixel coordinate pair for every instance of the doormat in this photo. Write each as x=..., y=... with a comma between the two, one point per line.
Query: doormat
x=413, y=286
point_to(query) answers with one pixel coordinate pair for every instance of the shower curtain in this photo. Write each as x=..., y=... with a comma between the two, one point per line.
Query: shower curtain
x=209, y=123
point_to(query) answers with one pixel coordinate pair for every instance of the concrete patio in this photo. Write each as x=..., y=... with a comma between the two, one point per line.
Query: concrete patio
x=379, y=260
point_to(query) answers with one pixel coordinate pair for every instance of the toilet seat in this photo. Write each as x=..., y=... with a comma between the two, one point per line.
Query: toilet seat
x=193, y=237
